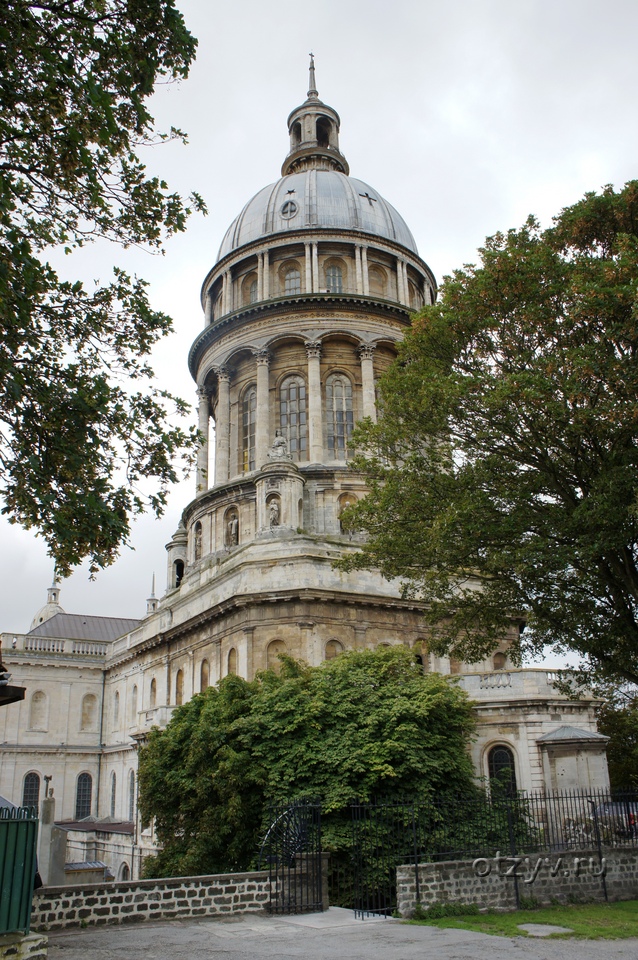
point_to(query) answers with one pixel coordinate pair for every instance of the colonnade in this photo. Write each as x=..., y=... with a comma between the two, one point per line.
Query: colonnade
x=231, y=295
x=263, y=438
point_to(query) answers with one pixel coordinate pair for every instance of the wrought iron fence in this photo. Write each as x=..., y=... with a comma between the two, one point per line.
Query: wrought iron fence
x=291, y=851
x=386, y=834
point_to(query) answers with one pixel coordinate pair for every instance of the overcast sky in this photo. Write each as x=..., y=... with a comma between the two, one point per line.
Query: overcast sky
x=466, y=116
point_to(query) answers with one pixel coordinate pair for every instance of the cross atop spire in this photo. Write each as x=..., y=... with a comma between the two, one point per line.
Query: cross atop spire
x=313, y=93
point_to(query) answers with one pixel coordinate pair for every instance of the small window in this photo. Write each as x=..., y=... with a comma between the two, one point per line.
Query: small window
x=179, y=688
x=178, y=571
x=113, y=795
x=253, y=291
x=248, y=424
x=153, y=694
x=204, y=675
x=292, y=282
x=133, y=706
x=232, y=661
x=502, y=769
x=131, y=795
x=31, y=791
x=499, y=661
x=83, y=793
x=333, y=649
x=116, y=708
x=125, y=873
x=289, y=210
x=88, y=723
x=377, y=282
x=334, y=279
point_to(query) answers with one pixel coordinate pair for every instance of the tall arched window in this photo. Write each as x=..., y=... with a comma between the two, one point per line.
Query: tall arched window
x=275, y=649
x=377, y=281
x=339, y=415
x=248, y=420
x=131, y=795
x=113, y=794
x=232, y=661
x=334, y=278
x=204, y=675
x=116, y=708
x=125, y=873
x=252, y=291
x=31, y=791
x=88, y=722
x=333, y=649
x=502, y=768
x=153, y=694
x=133, y=709
x=292, y=282
x=178, y=572
x=293, y=419
x=179, y=688
x=83, y=793
x=38, y=711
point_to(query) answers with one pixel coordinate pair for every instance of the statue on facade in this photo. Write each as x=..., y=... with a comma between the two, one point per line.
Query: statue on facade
x=274, y=512
x=279, y=449
x=232, y=530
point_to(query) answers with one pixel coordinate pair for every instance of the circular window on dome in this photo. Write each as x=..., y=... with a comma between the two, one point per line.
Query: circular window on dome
x=289, y=210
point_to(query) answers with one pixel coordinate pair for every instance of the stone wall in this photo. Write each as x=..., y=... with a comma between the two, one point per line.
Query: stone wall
x=101, y=903
x=491, y=882
x=14, y=946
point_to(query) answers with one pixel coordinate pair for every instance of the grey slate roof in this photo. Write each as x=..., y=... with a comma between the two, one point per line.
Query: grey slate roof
x=78, y=626
x=566, y=733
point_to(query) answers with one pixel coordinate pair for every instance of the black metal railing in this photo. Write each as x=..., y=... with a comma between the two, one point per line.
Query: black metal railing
x=291, y=852
x=386, y=834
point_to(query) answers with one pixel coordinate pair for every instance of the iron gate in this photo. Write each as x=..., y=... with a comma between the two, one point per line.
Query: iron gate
x=291, y=851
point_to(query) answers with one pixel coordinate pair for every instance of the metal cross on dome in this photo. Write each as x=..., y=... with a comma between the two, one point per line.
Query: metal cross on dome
x=370, y=199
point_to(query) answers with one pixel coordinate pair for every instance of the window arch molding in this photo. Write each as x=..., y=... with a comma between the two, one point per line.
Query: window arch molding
x=501, y=762
x=274, y=650
x=31, y=790
x=339, y=413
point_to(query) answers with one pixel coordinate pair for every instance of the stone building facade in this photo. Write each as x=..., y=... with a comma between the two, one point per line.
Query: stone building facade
x=313, y=288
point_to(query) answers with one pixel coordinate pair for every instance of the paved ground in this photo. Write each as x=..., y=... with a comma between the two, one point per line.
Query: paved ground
x=334, y=935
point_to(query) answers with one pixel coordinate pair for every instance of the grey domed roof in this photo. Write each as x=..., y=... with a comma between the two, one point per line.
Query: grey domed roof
x=316, y=199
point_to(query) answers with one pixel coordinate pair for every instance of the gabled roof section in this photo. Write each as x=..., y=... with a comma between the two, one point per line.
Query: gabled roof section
x=77, y=626
x=566, y=734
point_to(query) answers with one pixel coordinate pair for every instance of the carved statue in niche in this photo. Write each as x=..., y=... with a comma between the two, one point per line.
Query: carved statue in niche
x=198, y=542
x=345, y=525
x=274, y=512
x=232, y=529
x=279, y=449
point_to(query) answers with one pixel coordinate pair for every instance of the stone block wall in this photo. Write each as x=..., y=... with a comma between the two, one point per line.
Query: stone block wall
x=100, y=903
x=14, y=946
x=491, y=882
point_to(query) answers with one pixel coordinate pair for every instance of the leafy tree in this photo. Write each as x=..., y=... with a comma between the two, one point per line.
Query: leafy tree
x=367, y=724
x=503, y=471
x=618, y=720
x=81, y=425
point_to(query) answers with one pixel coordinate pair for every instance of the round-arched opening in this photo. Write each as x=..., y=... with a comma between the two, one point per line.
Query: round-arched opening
x=501, y=768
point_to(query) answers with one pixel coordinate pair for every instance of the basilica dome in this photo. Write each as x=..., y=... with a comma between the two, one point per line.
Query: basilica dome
x=315, y=199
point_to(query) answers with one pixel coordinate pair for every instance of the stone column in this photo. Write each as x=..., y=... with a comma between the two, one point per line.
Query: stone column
x=315, y=426
x=208, y=307
x=266, y=269
x=262, y=424
x=222, y=426
x=366, y=353
x=202, y=453
x=308, y=261
x=364, y=270
x=315, y=268
x=357, y=267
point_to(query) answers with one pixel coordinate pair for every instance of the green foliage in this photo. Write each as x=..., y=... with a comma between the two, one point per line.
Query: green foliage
x=620, y=724
x=504, y=468
x=365, y=725
x=437, y=910
x=82, y=426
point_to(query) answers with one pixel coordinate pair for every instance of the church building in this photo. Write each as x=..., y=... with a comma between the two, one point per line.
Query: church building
x=314, y=286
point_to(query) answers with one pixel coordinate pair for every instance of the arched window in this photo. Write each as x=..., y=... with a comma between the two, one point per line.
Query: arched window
x=113, y=794
x=204, y=675
x=83, y=793
x=133, y=713
x=333, y=649
x=499, y=661
x=323, y=128
x=275, y=648
x=88, y=722
x=252, y=291
x=377, y=282
x=116, y=708
x=292, y=282
x=153, y=694
x=38, y=711
x=232, y=661
x=502, y=768
x=31, y=791
x=293, y=421
x=334, y=278
x=248, y=420
x=179, y=688
x=178, y=572
x=131, y=795
x=125, y=873
x=339, y=415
